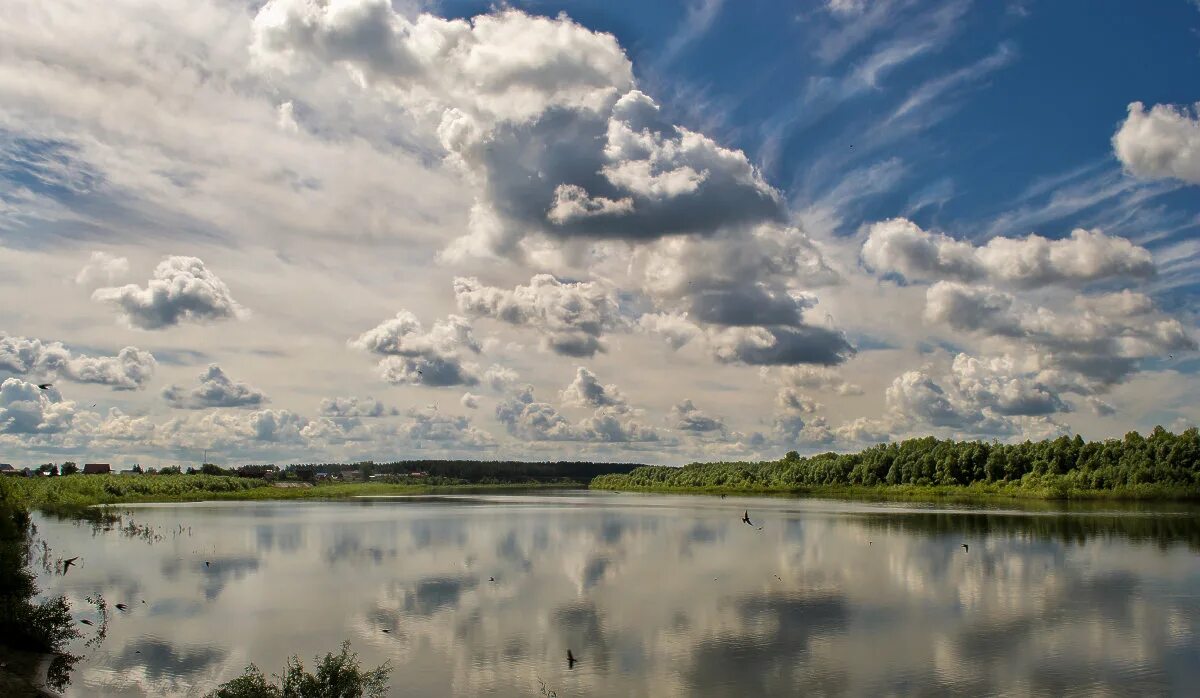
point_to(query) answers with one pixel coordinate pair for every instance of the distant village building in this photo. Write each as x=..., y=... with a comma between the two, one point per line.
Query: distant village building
x=7, y=469
x=419, y=473
x=97, y=469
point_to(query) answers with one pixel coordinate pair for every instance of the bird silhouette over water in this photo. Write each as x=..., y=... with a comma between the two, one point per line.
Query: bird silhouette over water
x=387, y=630
x=206, y=563
x=570, y=660
x=122, y=607
x=85, y=621
x=746, y=518
x=45, y=386
x=67, y=564
x=966, y=548
x=491, y=579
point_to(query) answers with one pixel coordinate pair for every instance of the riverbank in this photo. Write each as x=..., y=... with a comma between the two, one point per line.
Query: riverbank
x=975, y=493
x=69, y=493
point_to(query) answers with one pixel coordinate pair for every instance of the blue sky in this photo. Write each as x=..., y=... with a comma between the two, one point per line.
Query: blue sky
x=639, y=231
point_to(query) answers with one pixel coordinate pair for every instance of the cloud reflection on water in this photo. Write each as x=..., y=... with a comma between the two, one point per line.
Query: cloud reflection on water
x=654, y=595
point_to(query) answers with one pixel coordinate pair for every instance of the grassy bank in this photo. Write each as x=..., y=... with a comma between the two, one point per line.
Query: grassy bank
x=72, y=492
x=978, y=492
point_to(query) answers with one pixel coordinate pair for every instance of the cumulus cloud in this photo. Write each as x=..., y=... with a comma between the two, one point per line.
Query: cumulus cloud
x=26, y=409
x=1162, y=142
x=102, y=268
x=998, y=384
x=182, y=289
x=500, y=378
x=429, y=425
x=917, y=396
x=1100, y=340
x=415, y=356
x=350, y=407
x=470, y=401
x=130, y=369
x=562, y=150
x=819, y=378
x=864, y=430
x=791, y=400
x=687, y=417
x=215, y=390
x=587, y=391
x=780, y=346
x=754, y=345
x=571, y=317
x=900, y=246
x=977, y=397
x=526, y=418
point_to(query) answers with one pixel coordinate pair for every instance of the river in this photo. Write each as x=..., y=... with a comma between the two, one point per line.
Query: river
x=655, y=595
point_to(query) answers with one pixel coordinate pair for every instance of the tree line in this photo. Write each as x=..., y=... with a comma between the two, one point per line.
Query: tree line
x=433, y=472
x=1063, y=464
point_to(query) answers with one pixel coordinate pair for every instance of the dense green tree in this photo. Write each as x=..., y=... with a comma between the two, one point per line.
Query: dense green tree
x=1054, y=466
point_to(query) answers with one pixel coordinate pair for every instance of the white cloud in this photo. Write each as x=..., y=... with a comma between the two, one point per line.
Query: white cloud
x=432, y=426
x=1162, y=142
x=900, y=246
x=102, y=268
x=571, y=317
x=526, y=418
x=130, y=369
x=846, y=7
x=470, y=401
x=182, y=289
x=349, y=407
x=1099, y=340
x=215, y=390
x=26, y=409
x=791, y=400
x=587, y=391
x=687, y=417
x=287, y=118
x=819, y=378
x=415, y=356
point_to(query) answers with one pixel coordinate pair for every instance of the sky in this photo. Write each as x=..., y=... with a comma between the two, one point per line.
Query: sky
x=338, y=230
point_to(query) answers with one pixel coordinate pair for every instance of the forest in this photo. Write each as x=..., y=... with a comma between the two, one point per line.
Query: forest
x=1161, y=464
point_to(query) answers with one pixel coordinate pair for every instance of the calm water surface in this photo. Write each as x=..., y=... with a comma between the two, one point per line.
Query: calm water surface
x=656, y=596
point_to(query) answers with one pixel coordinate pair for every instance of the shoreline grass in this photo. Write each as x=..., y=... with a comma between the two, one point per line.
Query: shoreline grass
x=71, y=493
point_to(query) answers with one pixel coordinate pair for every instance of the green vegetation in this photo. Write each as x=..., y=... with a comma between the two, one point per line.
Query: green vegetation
x=337, y=677
x=28, y=628
x=74, y=493
x=1160, y=466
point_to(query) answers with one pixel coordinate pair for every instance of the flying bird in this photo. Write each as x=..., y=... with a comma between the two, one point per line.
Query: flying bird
x=45, y=386
x=67, y=564
x=206, y=563
x=122, y=607
x=570, y=660
x=85, y=621
x=966, y=547
x=387, y=630
x=746, y=518
x=491, y=579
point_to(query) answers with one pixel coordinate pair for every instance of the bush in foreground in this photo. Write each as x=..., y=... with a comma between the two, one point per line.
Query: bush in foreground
x=337, y=676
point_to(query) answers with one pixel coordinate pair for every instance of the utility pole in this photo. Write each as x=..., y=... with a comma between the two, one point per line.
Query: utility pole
x=205, y=457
